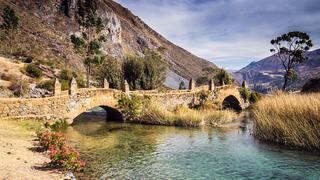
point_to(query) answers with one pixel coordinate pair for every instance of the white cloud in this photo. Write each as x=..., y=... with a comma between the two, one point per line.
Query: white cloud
x=227, y=29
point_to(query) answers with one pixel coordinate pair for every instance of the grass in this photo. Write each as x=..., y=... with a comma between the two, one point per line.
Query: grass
x=293, y=120
x=182, y=116
x=23, y=129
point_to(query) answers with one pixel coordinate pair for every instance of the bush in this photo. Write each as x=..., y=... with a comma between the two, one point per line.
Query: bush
x=132, y=106
x=48, y=85
x=245, y=94
x=58, y=125
x=60, y=153
x=147, y=72
x=254, y=97
x=34, y=71
x=28, y=60
x=50, y=139
x=66, y=158
x=19, y=87
x=66, y=74
x=111, y=71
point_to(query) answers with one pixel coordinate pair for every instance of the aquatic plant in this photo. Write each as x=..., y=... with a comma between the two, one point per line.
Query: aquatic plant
x=290, y=119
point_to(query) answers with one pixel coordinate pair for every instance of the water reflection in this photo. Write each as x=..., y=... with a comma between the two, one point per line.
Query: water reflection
x=129, y=151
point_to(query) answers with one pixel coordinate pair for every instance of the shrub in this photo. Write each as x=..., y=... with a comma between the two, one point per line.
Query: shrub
x=28, y=60
x=60, y=153
x=132, y=106
x=66, y=74
x=147, y=72
x=254, y=97
x=34, y=71
x=182, y=85
x=245, y=94
x=50, y=139
x=48, y=85
x=111, y=70
x=19, y=87
x=58, y=125
x=66, y=158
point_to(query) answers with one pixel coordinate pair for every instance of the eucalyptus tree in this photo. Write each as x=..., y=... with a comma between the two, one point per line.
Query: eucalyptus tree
x=290, y=49
x=88, y=43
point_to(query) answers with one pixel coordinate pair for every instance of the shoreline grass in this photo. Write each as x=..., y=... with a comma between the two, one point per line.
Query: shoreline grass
x=156, y=114
x=289, y=119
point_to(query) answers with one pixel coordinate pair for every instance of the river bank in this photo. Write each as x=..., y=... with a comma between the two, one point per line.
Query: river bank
x=19, y=160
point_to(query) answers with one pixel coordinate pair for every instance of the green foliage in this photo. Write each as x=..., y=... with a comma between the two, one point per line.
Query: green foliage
x=245, y=94
x=61, y=155
x=89, y=44
x=290, y=49
x=48, y=85
x=64, y=85
x=59, y=125
x=19, y=87
x=144, y=72
x=207, y=74
x=78, y=42
x=223, y=77
x=110, y=70
x=182, y=85
x=254, y=97
x=66, y=74
x=132, y=106
x=10, y=19
x=203, y=96
x=202, y=80
x=34, y=71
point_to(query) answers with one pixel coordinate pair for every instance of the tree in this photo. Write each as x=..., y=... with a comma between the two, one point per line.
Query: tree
x=207, y=73
x=290, y=49
x=89, y=44
x=223, y=77
x=10, y=24
x=110, y=70
x=182, y=85
x=148, y=72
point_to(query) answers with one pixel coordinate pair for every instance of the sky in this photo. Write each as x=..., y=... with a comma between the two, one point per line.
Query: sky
x=229, y=33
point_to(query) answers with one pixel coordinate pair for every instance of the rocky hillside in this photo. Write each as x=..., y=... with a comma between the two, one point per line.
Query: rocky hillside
x=267, y=74
x=45, y=28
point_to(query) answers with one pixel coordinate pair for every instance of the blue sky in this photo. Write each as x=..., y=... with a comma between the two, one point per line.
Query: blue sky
x=230, y=33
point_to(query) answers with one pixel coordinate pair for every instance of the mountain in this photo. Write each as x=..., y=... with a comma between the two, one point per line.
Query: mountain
x=267, y=74
x=45, y=28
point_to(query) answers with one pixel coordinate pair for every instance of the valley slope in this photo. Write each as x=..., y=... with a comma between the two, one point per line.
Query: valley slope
x=267, y=74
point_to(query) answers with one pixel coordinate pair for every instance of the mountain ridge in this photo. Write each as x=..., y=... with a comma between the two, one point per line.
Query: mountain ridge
x=47, y=26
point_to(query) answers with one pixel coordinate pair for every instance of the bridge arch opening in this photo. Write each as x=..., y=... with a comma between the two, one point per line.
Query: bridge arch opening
x=99, y=113
x=231, y=102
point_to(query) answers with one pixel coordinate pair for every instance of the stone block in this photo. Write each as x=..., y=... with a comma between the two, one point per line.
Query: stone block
x=57, y=88
x=73, y=86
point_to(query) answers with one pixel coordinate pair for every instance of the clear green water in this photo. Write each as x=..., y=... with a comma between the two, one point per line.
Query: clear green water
x=128, y=151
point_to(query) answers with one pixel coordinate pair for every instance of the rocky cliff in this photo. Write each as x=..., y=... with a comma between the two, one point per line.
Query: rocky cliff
x=46, y=25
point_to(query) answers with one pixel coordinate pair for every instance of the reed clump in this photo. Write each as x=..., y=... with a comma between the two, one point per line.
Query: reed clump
x=290, y=119
x=183, y=116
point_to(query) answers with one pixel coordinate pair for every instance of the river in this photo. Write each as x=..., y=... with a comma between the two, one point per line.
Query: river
x=129, y=151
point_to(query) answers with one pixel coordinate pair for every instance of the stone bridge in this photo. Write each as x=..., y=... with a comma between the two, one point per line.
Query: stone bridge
x=70, y=104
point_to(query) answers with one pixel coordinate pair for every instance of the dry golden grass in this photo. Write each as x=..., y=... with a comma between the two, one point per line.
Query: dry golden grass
x=291, y=119
x=182, y=116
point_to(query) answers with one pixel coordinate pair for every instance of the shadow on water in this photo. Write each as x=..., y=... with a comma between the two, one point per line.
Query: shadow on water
x=116, y=150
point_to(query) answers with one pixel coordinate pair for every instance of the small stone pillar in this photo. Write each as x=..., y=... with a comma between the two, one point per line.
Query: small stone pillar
x=105, y=84
x=244, y=84
x=211, y=85
x=57, y=87
x=192, y=84
x=73, y=86
x=125, y=87
x=223, y=84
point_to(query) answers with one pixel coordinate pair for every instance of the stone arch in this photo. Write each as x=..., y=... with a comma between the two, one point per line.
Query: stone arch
x=231, y=102
x=109, y=114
